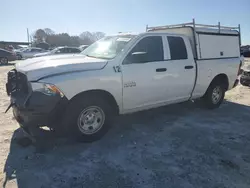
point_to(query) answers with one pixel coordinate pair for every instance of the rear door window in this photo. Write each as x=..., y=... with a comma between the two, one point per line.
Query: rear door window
x=177, y=48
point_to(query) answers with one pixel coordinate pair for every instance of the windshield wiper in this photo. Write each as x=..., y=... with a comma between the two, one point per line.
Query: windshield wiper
x=97, y=57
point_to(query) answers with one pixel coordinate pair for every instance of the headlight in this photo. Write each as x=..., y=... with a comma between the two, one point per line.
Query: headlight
x=47, y=89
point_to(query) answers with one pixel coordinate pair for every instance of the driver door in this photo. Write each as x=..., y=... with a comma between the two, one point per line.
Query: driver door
x=144, y=74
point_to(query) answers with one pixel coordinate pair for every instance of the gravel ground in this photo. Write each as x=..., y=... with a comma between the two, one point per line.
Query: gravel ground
x=175, y=146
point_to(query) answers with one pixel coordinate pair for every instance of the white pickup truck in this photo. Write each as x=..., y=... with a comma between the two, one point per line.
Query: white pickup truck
x=125, y=73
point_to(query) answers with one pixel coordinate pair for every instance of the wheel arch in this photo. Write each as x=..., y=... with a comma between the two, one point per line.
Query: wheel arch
x=99, y=93
x=223, y=78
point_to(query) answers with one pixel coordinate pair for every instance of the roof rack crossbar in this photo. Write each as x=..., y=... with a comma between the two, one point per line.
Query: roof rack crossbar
x=193, y=24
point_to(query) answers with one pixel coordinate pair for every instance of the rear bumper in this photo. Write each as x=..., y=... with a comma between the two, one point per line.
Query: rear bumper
x=38, y=110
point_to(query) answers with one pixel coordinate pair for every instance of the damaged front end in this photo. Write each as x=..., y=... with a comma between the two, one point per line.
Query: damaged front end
x=34, y=107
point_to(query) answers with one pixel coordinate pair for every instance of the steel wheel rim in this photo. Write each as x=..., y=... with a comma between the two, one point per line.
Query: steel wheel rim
x=216, y=94
x=91, y=120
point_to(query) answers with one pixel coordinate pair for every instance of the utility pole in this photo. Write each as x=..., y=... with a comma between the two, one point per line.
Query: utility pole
x=28, y=35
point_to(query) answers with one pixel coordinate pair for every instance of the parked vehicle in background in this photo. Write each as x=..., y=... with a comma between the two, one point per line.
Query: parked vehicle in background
x=83, y=47
x=60, y=50
x=6, y=56
x=18, y=52
x=9, y=48
x=29, y=52
x=245, y=77
x=245, y=51
x=79, y=95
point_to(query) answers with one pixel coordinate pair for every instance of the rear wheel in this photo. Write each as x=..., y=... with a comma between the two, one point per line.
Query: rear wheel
x=214, y=95
x=3, y=61
x=88, y=119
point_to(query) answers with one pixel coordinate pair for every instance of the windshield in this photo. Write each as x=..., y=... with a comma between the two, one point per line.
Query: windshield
x=108, y=47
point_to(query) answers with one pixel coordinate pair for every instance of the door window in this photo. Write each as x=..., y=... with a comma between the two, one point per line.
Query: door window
x=177, y=48
x=74, y=50
x=148, y=49
x=62, y=51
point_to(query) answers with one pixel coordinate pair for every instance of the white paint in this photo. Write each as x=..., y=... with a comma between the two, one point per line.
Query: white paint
x=145, y=88
x=39, y=67
x=213, y=45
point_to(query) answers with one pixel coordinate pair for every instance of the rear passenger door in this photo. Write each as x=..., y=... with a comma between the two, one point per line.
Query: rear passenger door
x=180, y=68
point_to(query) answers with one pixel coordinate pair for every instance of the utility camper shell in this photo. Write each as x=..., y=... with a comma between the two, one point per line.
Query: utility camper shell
x=208, y=41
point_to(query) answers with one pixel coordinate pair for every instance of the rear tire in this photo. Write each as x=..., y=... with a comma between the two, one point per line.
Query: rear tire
x=87, y=119
x=214, y=95
x=4, y=61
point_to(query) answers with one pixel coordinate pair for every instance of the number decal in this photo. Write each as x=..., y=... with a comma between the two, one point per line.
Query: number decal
x=117, y=68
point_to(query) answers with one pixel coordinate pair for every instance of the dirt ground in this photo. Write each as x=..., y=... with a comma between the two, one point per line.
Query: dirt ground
x=175, y=146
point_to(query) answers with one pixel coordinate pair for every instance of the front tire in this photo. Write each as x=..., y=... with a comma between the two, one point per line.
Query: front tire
x=87, y=119
x=214, y=95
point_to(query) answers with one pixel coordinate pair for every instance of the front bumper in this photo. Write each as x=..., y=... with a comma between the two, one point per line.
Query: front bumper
x=38, y=110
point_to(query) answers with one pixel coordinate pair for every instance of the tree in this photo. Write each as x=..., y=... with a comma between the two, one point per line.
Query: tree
x=64, y=39
x=49, y=31
x=40, y=36
x=87, y=37
x=98, y=35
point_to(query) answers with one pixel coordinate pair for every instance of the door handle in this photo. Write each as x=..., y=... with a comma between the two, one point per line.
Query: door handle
x=189, y=67
x=161, y=70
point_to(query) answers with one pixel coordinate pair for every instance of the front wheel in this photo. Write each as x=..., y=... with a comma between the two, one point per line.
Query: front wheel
x=214, y=96
x=88, y=119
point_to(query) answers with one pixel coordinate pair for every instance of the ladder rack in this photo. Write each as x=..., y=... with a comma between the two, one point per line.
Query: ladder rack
x=194, y=25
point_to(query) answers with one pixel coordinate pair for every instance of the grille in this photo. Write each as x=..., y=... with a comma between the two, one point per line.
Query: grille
x=17, y=82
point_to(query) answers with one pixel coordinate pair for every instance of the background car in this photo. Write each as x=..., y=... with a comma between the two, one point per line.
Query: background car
x=18, y=52
x=245, y=77
x=83, y=47
x=29, y=52
x=60, y=50
x=6, y=56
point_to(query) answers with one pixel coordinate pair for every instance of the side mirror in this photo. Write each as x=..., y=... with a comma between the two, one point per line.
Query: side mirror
x=138, y=57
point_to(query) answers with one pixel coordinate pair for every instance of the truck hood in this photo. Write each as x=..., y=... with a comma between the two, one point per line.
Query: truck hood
x=46, y=66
